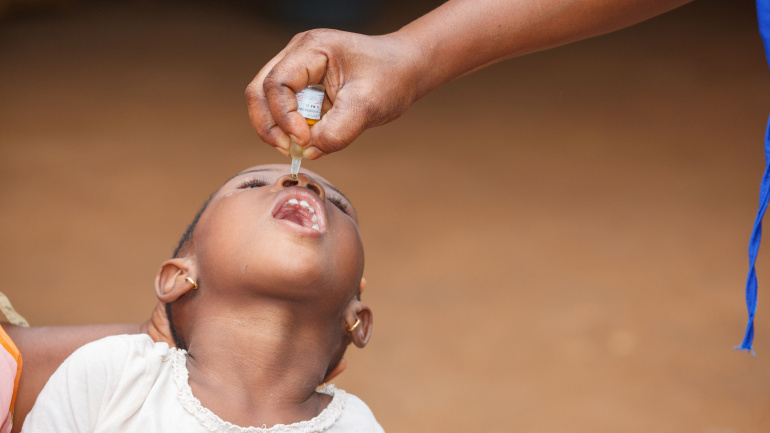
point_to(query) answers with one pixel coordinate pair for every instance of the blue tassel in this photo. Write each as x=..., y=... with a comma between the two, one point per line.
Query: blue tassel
x=763, y=17
x=756, y=238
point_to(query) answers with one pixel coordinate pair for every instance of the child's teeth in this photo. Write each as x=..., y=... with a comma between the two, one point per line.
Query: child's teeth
x=302, y=203
x=315, y=220
x=315, y=226
x=307, y=206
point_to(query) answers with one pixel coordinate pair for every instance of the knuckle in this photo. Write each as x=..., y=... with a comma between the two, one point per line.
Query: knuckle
x=269, y=132
x=317, y=39
x=314, y=35
x=265, y=128
x=270, y=82
x=252, y=93
x=296, y=38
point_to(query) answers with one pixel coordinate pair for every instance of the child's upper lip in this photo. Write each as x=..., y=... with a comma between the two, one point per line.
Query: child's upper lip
x=301, y=194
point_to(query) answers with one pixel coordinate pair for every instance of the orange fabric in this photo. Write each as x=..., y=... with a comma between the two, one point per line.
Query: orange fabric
x=7, y=343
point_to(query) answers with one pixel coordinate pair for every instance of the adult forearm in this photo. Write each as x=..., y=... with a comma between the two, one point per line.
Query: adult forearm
x=372, y=80
x=464, y=35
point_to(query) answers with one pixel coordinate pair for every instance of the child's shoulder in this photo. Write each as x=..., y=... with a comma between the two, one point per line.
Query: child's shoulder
x=121, y=347
x=116, y=359
x=357, y=417
x=109, y=376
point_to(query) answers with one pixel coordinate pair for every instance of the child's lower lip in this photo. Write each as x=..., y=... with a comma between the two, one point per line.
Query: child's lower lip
x=291, y=225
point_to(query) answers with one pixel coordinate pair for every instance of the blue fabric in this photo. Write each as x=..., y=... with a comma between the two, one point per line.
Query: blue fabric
x=763, y=16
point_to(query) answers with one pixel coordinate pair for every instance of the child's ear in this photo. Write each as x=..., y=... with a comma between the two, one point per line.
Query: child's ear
x=175, y=278
x=358, y=323
x=362, y=285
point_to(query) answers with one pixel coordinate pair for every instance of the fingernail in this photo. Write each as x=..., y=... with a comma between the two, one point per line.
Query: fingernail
x=283, y=151
x=313, y=153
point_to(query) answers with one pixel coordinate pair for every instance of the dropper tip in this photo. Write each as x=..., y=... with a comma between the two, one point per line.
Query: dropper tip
x=295, y=163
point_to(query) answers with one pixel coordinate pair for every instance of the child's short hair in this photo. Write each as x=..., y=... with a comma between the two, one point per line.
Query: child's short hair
x=187, y=235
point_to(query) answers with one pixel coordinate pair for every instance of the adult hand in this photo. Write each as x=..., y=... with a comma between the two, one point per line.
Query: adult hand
x=369, y=81
x=158, y=326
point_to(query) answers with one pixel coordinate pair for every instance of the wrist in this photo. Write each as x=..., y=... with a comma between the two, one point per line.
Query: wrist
x=418, y=70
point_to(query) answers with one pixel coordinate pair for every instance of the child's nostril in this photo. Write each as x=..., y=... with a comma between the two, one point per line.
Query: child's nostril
x=288, y=182
x=314, y=188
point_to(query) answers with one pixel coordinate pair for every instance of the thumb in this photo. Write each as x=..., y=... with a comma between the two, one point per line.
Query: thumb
x=336, y=129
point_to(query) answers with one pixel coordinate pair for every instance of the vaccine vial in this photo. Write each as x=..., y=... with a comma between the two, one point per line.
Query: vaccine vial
x=309, y=103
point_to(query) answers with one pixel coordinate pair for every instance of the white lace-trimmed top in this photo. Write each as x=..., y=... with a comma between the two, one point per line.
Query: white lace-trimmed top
x=128, y=383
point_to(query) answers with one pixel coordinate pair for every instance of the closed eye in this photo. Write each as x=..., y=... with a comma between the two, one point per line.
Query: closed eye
x=253, y=183
x=339, y=203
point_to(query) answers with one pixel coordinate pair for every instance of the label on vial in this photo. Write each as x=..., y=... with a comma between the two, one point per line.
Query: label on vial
x=309, y=102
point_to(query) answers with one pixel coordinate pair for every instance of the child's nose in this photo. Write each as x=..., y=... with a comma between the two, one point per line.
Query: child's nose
x=303, y=180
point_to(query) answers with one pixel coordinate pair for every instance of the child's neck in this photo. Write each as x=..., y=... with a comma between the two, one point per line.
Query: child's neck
x=259, y=362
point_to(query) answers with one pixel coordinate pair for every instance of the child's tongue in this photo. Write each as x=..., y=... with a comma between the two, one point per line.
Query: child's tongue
x=296, y=214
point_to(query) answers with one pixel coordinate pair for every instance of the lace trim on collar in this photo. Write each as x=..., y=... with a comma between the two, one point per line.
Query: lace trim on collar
x=213, y=423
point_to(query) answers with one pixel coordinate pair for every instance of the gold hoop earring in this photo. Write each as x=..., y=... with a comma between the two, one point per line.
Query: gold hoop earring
x=355, y=325
x=191, y=281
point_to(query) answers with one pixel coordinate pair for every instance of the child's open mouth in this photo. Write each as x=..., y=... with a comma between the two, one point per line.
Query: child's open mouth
x=298, y=212
x=300, y=208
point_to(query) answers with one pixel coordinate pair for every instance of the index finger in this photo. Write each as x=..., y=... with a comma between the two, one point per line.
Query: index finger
x=259, y=110
x=301, y=66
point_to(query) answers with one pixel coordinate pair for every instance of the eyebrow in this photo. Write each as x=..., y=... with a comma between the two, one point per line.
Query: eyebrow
x=326, y=184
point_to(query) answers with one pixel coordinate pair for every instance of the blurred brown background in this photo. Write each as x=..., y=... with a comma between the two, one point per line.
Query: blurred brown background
x=556, y=243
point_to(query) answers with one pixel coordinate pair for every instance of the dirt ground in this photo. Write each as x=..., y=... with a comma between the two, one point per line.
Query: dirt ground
x=554, y=244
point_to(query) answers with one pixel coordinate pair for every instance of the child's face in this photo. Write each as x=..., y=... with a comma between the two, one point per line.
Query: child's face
x=262, y=229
